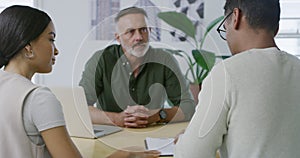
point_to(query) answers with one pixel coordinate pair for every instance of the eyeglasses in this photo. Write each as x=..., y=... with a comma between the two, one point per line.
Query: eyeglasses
x=222, y=32
x=142, y=30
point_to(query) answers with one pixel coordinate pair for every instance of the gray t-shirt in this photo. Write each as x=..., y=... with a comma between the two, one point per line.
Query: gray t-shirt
x=42, y=111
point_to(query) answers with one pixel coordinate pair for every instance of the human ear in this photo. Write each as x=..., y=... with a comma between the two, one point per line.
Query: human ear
x=28, y=47
x=28, y=51
x=117, y=37
x=236, y=17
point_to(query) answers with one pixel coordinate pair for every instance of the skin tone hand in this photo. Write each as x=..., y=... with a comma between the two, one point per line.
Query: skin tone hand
x=134, y=152
x=136, y=116
x=109, y=118
x=118, y=118
x=132, y=116
x=139, y=154
x=139, y=116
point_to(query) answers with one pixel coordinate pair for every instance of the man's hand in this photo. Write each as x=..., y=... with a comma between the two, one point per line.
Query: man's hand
x=118, y=118
x=139, y=116
x=136, y=116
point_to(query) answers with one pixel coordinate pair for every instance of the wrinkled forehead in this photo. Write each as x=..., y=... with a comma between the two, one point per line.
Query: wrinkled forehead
x=131, y=21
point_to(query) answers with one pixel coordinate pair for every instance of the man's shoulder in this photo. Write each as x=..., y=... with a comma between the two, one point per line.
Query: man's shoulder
x=161, y=52
x=163, y=57
x=109, y=53
x=160, y=55
x=109, y=50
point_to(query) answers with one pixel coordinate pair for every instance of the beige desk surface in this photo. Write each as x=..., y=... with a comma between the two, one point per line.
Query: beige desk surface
x=102, y=147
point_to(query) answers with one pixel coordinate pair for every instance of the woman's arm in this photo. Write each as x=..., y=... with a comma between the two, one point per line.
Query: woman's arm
x=59, y=143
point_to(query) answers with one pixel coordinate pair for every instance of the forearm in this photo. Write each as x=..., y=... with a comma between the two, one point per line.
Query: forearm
x=174, y=114
x=101, y=117
x=139, y=116
x=134, y=152
x=59, y=143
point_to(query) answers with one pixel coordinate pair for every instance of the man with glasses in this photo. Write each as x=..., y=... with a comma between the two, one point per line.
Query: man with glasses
x=132, y=81
x=250, y=103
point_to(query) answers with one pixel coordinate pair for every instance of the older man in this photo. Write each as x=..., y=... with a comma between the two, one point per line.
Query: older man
x=132, y=81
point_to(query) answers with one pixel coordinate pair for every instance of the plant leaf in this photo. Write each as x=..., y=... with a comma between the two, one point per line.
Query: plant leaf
x=210, y=26
x=179, y=21
x=174, y=52
x=203, y=77
x=213, y=23
x=204, y=58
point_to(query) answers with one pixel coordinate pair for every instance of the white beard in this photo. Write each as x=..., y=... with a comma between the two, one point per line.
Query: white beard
x=137, y=51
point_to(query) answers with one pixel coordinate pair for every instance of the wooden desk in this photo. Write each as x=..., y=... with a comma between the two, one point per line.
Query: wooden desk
x=102, y=147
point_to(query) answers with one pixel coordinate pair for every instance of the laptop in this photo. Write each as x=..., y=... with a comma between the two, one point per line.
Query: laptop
x=77, y=117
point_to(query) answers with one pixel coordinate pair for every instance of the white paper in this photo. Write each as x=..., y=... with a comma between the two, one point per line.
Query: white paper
x=164, y=145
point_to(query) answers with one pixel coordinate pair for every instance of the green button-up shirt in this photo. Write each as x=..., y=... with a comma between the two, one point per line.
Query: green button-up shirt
x=108, y=80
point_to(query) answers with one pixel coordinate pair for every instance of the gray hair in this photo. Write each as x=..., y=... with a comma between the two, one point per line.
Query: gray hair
x=130, y=10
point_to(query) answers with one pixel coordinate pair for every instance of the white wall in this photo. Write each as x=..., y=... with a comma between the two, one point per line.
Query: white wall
x=212, y=10
x=72, y=19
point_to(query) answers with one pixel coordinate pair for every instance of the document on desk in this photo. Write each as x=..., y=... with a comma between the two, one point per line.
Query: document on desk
x=164, y=145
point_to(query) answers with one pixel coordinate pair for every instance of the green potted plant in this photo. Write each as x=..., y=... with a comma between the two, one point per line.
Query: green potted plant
x=201, y=61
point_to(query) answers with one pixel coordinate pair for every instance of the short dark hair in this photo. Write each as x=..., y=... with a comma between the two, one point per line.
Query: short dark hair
x=19, y=25
x=130, y=10
x=260, y=14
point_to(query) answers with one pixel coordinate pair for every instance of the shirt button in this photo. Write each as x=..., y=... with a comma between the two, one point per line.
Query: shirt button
x=133, y=89
x=130, y=73
x=123, y=64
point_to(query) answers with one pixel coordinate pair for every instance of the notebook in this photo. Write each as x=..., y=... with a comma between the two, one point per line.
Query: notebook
x=75, y=108
x=164, y=145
